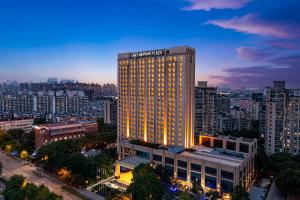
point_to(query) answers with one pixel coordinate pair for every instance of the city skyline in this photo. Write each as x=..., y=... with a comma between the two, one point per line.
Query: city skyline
x=238, y=43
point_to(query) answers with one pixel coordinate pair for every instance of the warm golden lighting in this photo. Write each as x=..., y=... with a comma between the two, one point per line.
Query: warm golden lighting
x=24, y=154
x=126, y=178
x=24, y=184
x=8, y=148
x=64, y=173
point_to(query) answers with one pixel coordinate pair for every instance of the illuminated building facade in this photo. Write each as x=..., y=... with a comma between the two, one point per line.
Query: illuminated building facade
x=156, y=96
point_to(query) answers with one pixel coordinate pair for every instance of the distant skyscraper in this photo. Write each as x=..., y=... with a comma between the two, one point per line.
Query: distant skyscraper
x=156, y=96
x=52, y=80
x=282, y=119
x=206, y=108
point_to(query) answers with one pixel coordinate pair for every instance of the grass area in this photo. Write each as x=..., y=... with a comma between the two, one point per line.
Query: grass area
x=74, y=192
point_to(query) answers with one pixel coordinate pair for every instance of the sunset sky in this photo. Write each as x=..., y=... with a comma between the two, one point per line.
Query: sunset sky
x=238, y=42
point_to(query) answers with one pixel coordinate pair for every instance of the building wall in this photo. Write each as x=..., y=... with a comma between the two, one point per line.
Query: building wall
x=25, y=124
x=156, y=96
x=241, y=173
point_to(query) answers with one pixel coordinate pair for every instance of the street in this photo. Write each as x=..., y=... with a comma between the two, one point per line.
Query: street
x=12, y=166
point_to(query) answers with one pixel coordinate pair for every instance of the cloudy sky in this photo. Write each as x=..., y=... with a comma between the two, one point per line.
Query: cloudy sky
x=238, y=42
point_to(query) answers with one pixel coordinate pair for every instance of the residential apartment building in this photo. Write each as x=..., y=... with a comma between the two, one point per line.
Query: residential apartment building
x=282, y=119
x=206, y=109
x=110, y=111
x=24, y=124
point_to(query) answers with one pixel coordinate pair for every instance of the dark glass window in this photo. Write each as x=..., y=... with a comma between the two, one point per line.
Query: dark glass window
x=244, y=148
x=169, y=170
x=169, y=161
x=218, y=143
x=195, y=176
x=157, y=158
x=142, y=154
x=211, y=182
x=181, y=163
x=227, y=175
x=181, y=174
x=226, y=186
x=205, y=141
x=211, y=171
x=195, y=167
x=230, y=146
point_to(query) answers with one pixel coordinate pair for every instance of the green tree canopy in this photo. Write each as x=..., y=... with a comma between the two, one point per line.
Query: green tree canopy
x=240, y=193
x=147, y=187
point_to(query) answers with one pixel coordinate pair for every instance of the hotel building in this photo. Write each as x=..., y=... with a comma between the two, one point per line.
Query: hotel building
x=156, y=124
x=218, y=163
x=156, y=96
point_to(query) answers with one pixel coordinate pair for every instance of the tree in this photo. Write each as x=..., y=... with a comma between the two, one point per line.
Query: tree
x=213, y=195
x=14, y=188
x=288, y=181
x=77, y=180
x=146, y=187
x=185, y=196
x=141, y=170
x=239, y=193
x=197, y=188
x=31, y=191
x=161, y=171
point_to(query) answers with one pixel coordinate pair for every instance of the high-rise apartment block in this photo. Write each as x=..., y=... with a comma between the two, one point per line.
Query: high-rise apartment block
x=206, y=109
x=110, y=111
x=282, y=119
x=39, y=104
x=156, y=96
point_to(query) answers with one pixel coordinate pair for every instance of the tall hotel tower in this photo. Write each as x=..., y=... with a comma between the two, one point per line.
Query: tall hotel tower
x=156, y=96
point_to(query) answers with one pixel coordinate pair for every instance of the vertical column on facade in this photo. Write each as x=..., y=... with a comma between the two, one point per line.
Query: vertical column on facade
x=219, y=177
x=189, y=171
x=203, y=173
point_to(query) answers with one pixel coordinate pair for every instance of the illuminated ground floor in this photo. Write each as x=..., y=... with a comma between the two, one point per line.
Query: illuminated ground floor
x=213, y=168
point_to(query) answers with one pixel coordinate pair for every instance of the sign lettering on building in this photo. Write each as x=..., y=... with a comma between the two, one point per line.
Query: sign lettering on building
x=147, y=53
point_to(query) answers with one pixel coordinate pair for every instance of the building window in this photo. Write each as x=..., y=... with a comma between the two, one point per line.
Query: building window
x=182, y=163
x=195, y=176
x=227, y=175
x=230, y=146
x=169, y=170
x=244, y=148
x=157, y=158
x=211, y=182
x=142, y=154
x=211, y=171
x=195, y=167
x=181, y=174
x=218, y=143
x=169, y=161
x=226, y=186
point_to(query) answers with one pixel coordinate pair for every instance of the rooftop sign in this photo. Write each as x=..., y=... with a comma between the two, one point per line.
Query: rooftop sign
x=147, y=53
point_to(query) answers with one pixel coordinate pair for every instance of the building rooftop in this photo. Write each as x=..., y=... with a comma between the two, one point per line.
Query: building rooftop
x=132, y=161
x=215, y=155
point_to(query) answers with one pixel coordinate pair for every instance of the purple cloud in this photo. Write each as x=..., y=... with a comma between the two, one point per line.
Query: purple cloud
x=252, y=54
x=208, y=5
x=281, y=68
x=282, y=45
x=254, y=24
